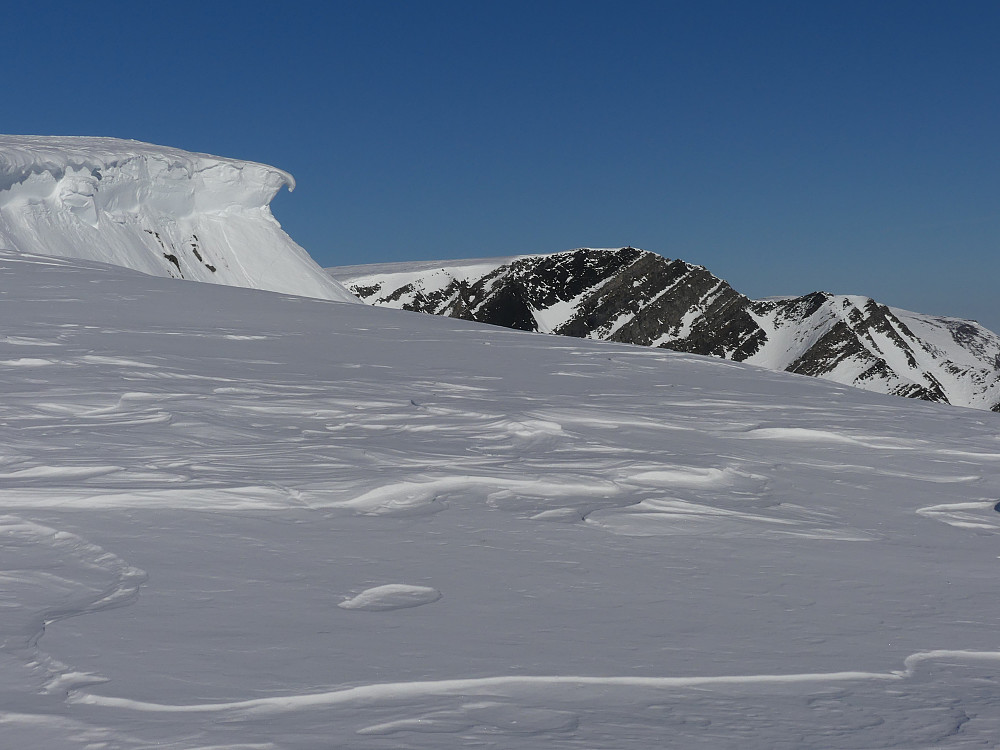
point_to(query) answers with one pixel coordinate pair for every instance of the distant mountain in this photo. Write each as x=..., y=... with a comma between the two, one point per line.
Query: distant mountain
x=154, y=209
x=637, y=297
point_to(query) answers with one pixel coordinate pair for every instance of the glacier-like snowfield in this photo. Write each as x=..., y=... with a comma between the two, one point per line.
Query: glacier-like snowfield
x=240, y=519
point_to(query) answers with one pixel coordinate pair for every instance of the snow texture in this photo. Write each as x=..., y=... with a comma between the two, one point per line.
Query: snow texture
x=158, y=210
x=391, y=596
x=636, y=548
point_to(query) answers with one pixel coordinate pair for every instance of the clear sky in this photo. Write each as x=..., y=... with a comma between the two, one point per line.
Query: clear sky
x=787, y=146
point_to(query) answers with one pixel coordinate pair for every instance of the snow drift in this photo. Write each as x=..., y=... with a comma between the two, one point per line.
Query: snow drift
x=158, y=210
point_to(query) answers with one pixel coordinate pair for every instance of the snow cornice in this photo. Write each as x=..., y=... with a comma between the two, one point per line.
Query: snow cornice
x=24, y=155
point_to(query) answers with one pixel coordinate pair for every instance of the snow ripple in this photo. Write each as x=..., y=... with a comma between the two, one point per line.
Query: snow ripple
x=50, y=575
x=974, y=515
x=528, y=685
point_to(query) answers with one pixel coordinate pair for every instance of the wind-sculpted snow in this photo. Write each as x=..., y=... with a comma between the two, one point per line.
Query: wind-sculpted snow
x=47, y=575
x=158, y=210
x=368, y=529
x=391, y=596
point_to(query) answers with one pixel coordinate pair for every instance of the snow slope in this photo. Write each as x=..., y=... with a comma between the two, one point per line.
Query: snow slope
x=158, y=210
x=637, y=297
x=295, y=524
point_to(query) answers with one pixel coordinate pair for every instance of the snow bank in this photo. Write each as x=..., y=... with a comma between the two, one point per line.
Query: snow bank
x=158, y=210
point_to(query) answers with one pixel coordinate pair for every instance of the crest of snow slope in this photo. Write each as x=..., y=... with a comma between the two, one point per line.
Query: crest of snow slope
x=158, y=210
x=637, y=297
x=611, y=546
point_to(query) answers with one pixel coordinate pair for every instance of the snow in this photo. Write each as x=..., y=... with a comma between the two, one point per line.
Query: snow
x=391, y=596
x=541, y=541
x=407, y=271
x=556, y=315
x=785, y=343
x=468, y=268
x=158, y=210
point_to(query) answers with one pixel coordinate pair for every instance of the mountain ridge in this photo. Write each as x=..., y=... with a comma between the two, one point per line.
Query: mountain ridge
x=634, y=296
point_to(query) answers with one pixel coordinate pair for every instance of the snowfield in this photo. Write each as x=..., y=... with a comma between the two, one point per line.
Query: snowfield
x=247, y=520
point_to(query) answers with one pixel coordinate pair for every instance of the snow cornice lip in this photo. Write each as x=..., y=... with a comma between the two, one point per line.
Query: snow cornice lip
x=24, y=155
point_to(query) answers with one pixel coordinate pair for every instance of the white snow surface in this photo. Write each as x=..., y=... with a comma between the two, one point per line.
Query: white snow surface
x=391, y=596
x=465, y=268
x=158, y=210
x=612, y=546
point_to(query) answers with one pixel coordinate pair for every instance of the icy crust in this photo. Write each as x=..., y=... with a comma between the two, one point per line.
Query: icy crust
x=159, y=210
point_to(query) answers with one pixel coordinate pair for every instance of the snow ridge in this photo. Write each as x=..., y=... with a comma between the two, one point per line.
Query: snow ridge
x=158, y=210
x=486, y=686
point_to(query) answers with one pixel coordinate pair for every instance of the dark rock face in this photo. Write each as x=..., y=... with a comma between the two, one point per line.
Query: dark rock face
x=507, y=296
x=657, y=295
x=636, y=297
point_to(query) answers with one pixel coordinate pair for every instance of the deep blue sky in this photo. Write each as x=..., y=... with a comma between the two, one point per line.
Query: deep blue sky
x=788, y=146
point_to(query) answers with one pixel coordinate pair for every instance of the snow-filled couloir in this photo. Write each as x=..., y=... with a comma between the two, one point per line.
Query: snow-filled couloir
x=159, y=210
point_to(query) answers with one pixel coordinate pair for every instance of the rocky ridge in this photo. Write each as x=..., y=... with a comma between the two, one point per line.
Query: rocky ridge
x=633, y=296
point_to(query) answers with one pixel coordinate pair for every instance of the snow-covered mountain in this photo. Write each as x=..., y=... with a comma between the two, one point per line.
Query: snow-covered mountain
x=299, y=525
x=158, y=210
x=637, y=297
x=295, y=524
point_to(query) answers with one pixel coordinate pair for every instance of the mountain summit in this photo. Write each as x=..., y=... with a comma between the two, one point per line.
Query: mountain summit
x=158, y=210
x=637, y=297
